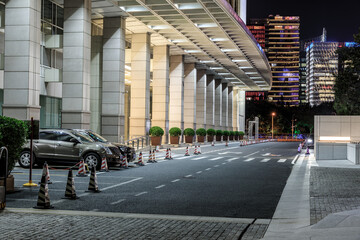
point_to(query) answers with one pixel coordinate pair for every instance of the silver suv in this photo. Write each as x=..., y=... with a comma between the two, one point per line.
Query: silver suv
x=64, y=146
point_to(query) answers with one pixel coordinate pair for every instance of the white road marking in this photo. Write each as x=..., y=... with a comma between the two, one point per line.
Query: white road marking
x=199, y=172
x=217, y=166
x=120, y=184
x=266, y=154
x=282, y=160
x=251, y=154
x=183, y=157
x=139, y=194
x=249, y=159
x=207, y=169
x=188, y=176
x=198, y=158
x=224, y=163
x=265, y=160
x=121, y=200
x=223, y=153
x=232, y=159
x=217, y=158
x=295, y=159
x=161, y=186
x=176, y=180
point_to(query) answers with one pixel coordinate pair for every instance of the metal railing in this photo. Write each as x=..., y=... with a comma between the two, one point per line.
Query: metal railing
x=139, y=142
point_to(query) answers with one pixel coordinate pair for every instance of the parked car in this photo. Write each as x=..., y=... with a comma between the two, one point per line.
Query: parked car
x=309, y=142
x=65, y=146
x=129, y=151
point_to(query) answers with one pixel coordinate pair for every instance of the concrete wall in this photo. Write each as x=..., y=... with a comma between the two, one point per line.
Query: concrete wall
x=353, y=153
x=331, y=151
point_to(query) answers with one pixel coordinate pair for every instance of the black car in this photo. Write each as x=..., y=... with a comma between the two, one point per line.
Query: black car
x=129, y=151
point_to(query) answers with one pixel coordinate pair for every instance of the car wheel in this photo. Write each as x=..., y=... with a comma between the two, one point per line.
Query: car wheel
x=24, y=160
x=92, y=159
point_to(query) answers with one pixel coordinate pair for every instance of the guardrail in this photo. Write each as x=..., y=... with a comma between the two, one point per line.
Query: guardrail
x=139, y=142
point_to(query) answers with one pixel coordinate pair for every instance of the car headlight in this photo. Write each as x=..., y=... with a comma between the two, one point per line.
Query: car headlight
x=108, y=151
x=310, y=141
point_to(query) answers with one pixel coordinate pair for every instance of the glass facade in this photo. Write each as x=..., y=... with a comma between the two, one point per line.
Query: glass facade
x=50, y=112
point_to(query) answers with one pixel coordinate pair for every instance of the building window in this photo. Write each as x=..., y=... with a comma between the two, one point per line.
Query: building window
x=50, y=112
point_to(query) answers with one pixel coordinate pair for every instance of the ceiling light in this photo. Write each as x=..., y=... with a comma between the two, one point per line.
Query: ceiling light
x=229, y=50
x=192, y=51
x=216, y=68
x=239, y=60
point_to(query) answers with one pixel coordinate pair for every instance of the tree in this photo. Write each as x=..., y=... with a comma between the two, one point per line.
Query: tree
x=347, y=84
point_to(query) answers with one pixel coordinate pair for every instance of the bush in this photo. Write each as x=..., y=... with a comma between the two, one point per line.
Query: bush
x=211, y=132
x=201, y=132
x=219, y=133
x=241, y=133
x=231, y=133
x=237, y=133
x=226, y=133
x=13, y=134
x=189, y=132
x=156, y=131
x=175, y=131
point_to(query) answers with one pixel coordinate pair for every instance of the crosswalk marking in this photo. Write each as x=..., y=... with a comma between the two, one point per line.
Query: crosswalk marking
x=183, y=157
x=198, y=158
x=265, y=160
x=266, y=154
x=232, y=159
x=217, y=158
x=249, y=159
x=282, y=160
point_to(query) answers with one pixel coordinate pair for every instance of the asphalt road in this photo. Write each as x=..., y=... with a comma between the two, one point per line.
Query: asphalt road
x=233, y=181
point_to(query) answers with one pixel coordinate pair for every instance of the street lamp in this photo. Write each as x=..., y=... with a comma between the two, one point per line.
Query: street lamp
x=292, y=127
x=272, y=125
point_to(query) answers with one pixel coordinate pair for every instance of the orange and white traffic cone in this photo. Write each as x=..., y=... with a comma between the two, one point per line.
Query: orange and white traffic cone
x=46, y=172
x=150, y=157
x=124, y=162
x=170, y=157
x=43, y=201
x=104, y=165
x=187, y=152
x=82, y=170
x=154, y=157
x=167, y=154
x=157, y=148
x=140, y=160
x=212, y=143
x=199, y=150
x=226, y=143
x=195, y=151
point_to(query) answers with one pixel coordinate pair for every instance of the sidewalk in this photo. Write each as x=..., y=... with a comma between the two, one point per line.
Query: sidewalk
x=316, y=201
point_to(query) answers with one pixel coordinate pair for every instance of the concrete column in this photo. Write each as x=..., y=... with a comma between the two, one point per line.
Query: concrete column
x=218, y=105
x=230, y=108
x=224, y=106
x=96, y=83
x=210, y=101
x=160, y=89
x=22, y=59
x=140, y=85
x=242, y=111
x=176, y=113
x=113, y=85
x=201, y=99
x=76, y=64
x=235, y=113
x=190, y=96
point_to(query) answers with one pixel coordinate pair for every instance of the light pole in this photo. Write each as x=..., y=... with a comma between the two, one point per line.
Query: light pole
x=292, y=128
x=272, y=125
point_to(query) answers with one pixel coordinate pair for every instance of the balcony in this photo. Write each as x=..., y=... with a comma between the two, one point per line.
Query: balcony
x=53, y=75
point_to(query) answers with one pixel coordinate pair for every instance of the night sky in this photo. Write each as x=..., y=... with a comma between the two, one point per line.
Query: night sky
x=340, y=18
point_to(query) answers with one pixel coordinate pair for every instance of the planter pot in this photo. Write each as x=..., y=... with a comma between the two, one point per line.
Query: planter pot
x=218, y=138
x=236, y=138
x=225, y=138
x=201, y=139
x=174, y=139
x=9, y=183
x=155, y=141
x=189, y=139
x=241, y=137
x=231, y=138
x=210, y=138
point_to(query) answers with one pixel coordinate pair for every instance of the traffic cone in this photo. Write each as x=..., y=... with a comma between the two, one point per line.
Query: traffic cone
x=195, y=151
x=70, y=192
x=124, y=162
x=150, y=157
x=170, y=157
x=226, y=143
x=157, y=148
x=199, y=150
x=212, y=143
x=46, y=172
x=43, y=201
x=140, y=160
x=81, y=171
x=154, y=157
x=187, y=152
x=104, y=167
x=93, y=185
x=167, y=154
x=307, y=150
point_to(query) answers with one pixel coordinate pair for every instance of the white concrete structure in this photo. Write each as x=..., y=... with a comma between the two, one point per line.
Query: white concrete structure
x=120, y=67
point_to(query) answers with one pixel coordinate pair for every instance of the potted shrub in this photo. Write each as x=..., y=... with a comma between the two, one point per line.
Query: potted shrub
x=201, y=133
x=156, y=133
x=226, y=135
x=241, y=134
x=219, y=133
x=210, y=134
x=231, y=135
x=237, y=134
x=175, y=133
x=189, y=135
x=13, y=135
